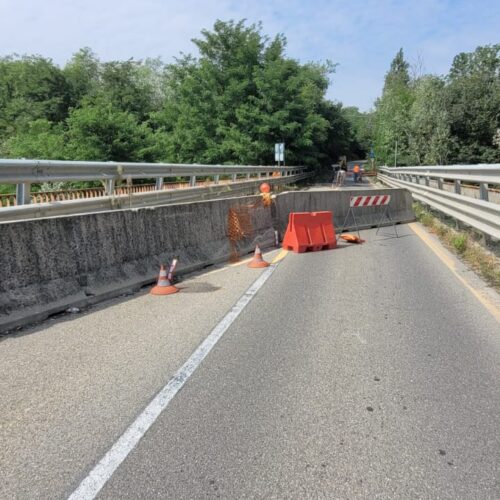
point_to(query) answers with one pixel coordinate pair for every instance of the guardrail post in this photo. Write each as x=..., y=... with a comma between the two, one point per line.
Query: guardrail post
x=234, y=177
x=417, y=179
x=192, y=181
x=483, y=191
x=440, y=183
x=216, y=179
x=458, y=186
x=248, y=176
x=109, y=187
x=23, y=193
x=159, y=183
x=427, y=181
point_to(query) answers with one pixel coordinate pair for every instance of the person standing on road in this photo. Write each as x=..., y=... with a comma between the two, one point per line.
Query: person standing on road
x=342, y=172
x=356, y=173
x=335, y=180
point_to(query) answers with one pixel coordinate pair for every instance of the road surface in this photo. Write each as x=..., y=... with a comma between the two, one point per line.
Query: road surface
x=369, y=371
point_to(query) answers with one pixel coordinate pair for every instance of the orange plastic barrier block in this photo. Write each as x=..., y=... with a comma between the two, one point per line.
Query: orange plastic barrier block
x=310, y=232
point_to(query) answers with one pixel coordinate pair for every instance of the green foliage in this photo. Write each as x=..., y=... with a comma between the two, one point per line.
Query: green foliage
x=485, y=263
x=429, y=127
x=393, y=114
x=101, y=132
x=31, y=88
x=242, y=111
x=125, y=85
x=473, y=93
x=37, y=139
x=459, y=242
x=82, y=74
x=240, y=97
x=7, y=188
x=361, y=125
x=441, y=120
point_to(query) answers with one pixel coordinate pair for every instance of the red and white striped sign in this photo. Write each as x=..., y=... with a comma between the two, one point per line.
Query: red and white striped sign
x=370, y=201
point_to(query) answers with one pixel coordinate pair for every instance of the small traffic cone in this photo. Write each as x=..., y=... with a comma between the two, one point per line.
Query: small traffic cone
x=351, y=238
x=164, y=287
x=257, y=260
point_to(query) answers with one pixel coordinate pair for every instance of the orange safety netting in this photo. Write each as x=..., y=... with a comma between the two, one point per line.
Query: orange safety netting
x=239, y=223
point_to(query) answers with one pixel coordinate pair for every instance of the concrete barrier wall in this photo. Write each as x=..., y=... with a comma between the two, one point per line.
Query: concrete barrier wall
x=48, y=265
x=338, y=203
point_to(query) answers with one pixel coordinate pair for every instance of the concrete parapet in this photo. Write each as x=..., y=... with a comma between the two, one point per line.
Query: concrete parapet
x=338, y=203
x=51, y=264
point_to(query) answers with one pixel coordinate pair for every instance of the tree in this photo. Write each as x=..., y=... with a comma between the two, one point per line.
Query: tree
x=82, y=73
x=127, y=87
x=393, y=113
x=99, y=132
x=362, y=129
x=31, y=88
x=38, y=139
x=429, y=128
x=473, y=94
x=239, y=97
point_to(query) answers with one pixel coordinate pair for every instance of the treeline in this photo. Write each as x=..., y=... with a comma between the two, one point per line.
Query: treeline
x=239, y=96
x=230, y=104
x=429, y=120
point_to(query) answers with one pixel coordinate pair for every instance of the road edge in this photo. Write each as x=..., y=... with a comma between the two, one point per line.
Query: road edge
x=469, y=279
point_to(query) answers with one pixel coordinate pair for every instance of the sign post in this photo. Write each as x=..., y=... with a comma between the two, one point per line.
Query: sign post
x=372, y=158
x=279, y=153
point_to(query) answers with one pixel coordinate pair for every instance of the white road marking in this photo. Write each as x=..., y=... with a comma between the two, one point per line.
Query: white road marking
x=102, y=472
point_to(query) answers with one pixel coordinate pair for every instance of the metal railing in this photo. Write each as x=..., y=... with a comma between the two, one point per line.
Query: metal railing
x=10, y=200
x=22, y=172
x=202, y=182
x=443, y=188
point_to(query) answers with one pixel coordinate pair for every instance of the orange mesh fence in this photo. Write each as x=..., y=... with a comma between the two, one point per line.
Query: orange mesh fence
x=239, y=223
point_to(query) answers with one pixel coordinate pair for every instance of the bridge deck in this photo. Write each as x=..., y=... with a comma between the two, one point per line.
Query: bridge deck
x=366, y=371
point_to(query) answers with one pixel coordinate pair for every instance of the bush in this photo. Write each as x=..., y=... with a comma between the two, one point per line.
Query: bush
x=460, y=242
x=463, y=244
x=442, y=231
x=427, y=219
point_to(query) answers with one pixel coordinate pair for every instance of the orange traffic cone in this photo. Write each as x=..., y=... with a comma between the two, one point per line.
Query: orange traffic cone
x=164, y=287
x=351, y=238
x=257, y=260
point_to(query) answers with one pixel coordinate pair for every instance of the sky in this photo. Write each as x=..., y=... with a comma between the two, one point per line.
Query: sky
x=362, y=37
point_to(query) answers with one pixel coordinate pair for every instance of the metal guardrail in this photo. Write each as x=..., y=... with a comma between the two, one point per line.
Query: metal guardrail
x=23, y=173
x=9, y=200
x=31, y=171
x=480, y=214
x=121, y=199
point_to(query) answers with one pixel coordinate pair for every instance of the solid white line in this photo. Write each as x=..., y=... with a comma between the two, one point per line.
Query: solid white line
x=101, y=473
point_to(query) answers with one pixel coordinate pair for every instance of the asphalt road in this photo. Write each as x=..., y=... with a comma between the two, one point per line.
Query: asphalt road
x=368, y=371
x=70, y=386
